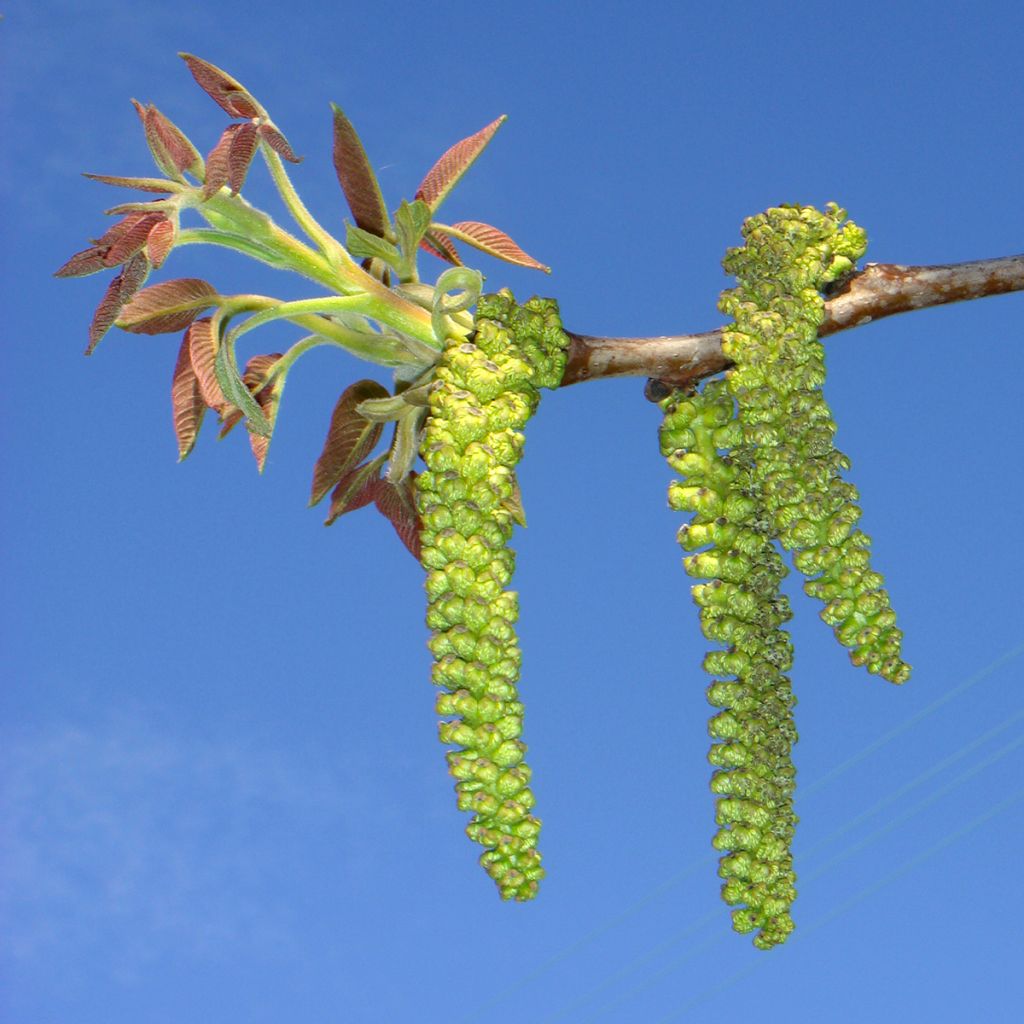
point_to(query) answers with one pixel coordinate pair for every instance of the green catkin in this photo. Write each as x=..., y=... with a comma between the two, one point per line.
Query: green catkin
x=790, y=254
x=743, y=608
x=485, y=390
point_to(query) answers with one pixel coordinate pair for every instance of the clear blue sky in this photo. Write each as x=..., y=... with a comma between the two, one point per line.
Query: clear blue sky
x=223, y=798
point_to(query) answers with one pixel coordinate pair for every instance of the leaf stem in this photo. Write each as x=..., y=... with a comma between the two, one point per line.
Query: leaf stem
x=232, y=215
x=327, y=243
x=228, y=239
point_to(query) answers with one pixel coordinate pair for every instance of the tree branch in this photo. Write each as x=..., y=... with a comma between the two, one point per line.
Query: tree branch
x=879, y=290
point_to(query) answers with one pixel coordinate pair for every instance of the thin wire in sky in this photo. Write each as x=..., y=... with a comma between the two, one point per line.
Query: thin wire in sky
x=853, y=901
x=715, y=914
x=670, y=883
x=823, y=869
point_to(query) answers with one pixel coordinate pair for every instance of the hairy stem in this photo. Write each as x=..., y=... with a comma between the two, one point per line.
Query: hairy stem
x=879, y=290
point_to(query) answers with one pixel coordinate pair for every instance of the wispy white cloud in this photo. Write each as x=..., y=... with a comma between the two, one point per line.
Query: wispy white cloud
x=160, y=842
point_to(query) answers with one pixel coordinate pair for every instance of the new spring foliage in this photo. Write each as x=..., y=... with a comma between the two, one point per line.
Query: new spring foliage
x=756, y=454
x=484, y=391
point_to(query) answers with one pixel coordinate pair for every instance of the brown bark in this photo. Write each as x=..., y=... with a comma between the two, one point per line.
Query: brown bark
x=879, y=290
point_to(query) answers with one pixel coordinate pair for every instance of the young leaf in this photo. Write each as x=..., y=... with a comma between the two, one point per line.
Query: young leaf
x=168, y=306
x=356, y=177
x=254, y=377
x=355, y=489
x=119, y=291
x=142, y=184
x=218, y=162
x=411, y=222
x=131, y=238
x=160, y=241
x=268, y=398
x=364, y=243
x=350, y=437
x=203, y=349
x=406, y=443
x=172, y=152
x=446, y=173
x=186, y=400
x=83, y=263
x=230, y=95
x=441, y=246
x=243, y=149
x=235, y=391
x=396, y=502
x=277, y=142
x=493, y=242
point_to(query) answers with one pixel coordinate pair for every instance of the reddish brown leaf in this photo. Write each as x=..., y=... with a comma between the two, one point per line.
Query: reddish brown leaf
x=129, y=242
x=243, y=149
x=440, y=245
x=106, y=313
x=88, y=261
x=218, y=162
x=230, y=95
x=397, y=503
x=160, y=241
x=142, y=184
x=278, y=143
x=187, y=402
x=172, y=151
x=168, y=306
x=355, y=489
x=124, y=285
x=445, y=174
x=356, y=177
x=115, y=231
x=350, y=437
x=203, y=350
x=494, y=242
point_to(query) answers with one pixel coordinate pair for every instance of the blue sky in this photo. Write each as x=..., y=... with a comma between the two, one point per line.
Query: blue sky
x=221, y=790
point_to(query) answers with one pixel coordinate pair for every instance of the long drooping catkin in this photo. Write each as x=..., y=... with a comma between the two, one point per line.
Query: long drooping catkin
x=485, y=390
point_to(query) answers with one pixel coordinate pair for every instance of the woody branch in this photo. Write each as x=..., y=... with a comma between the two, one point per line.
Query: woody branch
x=879, y=290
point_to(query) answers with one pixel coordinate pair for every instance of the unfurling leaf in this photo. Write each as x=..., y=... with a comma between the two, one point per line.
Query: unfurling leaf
x=243, y=149
x=142, y=184
x=88, y=261
x=160, y=241
x=445, y=174
x=218, y=162
x=235, y=391
x=397, y=503
x=202, y=343
x=228, y=93
x=411, y=222
x=272, y=136
x=168, y=306
x=119, y=291
x=186, y=400
x=172, y=151
x=268, y=398
x=350, y=438
x=365, y=243
x=254, y=377
x=440, y=245
x=493, y=242
x=128, y=237
x=355, y=489
x=356, y=177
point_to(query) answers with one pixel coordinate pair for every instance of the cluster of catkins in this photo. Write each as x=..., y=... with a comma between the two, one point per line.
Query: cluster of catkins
x=756, y=454
x=485, y=389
